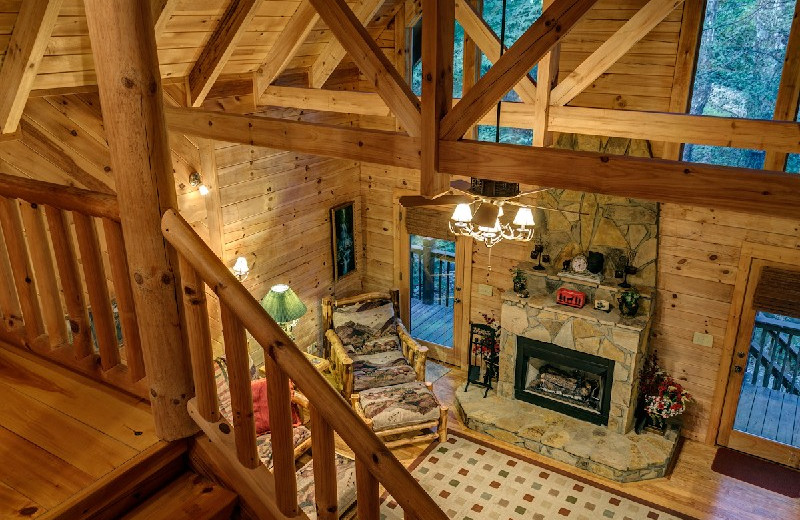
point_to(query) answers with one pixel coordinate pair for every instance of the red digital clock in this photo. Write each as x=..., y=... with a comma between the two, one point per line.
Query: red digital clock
x=570, y=298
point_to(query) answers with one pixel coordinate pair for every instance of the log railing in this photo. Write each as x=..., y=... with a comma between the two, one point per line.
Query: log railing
x=330, y=413
x=775, y=355
x=433, y=274
x=45, y=280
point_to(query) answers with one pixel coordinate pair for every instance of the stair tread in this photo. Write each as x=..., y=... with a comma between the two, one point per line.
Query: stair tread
x=188, y=497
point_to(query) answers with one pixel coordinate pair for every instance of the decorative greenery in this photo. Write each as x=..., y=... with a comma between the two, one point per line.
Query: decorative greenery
x=630, y=297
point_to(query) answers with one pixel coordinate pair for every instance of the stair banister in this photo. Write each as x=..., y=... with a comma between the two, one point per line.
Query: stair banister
x=375, y=462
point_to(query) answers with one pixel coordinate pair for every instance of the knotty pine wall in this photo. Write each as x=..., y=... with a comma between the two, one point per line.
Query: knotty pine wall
x=276, y=213
x=699, y=255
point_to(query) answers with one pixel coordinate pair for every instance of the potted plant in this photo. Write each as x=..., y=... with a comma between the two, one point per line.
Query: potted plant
x=629, y=302
x=520, y=283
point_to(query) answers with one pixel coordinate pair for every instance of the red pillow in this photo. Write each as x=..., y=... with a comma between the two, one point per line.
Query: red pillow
x=261, y=406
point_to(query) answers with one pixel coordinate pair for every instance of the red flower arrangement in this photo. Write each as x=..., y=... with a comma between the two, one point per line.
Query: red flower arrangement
x=670, y=401
x=663, y=397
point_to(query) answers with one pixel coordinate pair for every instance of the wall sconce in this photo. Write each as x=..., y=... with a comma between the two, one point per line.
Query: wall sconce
x=241, y=269
x=196, y=181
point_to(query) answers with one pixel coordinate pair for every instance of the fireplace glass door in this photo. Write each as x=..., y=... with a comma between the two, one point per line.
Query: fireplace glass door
x=564, y=380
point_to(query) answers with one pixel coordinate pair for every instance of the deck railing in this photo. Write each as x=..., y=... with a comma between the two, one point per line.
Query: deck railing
x=39, y=264
x=330, y=413
x=433, y=275
x=775, y=355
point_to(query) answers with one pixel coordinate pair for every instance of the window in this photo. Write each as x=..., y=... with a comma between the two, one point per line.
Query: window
x=739, y=69
x=520, y=15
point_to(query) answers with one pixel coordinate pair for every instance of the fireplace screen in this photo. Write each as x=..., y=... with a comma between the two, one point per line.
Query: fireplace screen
x=564, y=380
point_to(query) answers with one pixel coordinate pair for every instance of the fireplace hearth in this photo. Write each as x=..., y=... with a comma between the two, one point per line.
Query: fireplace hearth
x=566, y=381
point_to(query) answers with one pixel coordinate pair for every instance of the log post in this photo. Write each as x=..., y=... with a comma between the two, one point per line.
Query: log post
x=129, y=81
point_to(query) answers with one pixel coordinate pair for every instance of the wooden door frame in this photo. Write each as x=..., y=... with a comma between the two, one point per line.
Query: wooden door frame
x=401, y=274
x=740, y=321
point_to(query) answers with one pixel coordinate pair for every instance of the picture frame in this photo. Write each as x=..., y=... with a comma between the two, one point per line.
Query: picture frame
x=343, y=240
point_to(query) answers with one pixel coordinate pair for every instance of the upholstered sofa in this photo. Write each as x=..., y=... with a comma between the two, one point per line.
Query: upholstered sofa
x=345, y=467
x=367, y=344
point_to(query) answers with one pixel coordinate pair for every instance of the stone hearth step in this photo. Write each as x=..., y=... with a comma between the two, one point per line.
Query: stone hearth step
x=597, y=449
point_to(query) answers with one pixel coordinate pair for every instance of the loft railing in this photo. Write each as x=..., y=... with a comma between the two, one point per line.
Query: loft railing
x=775, y=355
x=330, y=413
x=433, y=275
x=39, y=264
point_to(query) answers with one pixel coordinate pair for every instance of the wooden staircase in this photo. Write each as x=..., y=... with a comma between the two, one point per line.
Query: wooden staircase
x=188, y=497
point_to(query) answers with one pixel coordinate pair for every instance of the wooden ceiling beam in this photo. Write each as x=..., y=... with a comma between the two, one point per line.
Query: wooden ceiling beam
x=438, y=27
x=547, y=77
x=333, y=53
x=29, y=38
x=375, y=146
x=736, y=189
x=372, y=61
x=781, y=136
x=343, y=101
x=758, y=134
x=291, y=38
x=652, y=14
x=515, y=64
x=219, y=49
x=710, y=186
x=487, y=41
x=162, y=11
x=788, y=91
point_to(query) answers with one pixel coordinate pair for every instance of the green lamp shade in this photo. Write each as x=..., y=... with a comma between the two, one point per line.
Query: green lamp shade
x=283, y=304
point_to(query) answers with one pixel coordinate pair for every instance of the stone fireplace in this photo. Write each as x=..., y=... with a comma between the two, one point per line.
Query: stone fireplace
x=607, y=349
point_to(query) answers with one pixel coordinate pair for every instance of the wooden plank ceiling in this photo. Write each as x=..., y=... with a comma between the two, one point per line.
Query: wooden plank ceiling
x=187, y=30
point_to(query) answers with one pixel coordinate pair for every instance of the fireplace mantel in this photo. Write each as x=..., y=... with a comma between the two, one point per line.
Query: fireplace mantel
x=608, y=335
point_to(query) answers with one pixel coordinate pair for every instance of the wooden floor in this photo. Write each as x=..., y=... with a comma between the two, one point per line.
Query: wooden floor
x=692, y=487
x=433, y=323
x=60, y=433
x=770, y=414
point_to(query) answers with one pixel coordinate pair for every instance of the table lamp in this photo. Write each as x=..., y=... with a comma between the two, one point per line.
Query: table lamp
x=284, y=306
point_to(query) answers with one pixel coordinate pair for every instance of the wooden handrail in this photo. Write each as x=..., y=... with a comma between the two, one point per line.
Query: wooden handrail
x=69, y=198
x=371, y=453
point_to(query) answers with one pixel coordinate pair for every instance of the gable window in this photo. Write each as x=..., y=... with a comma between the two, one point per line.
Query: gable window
x=739, y=69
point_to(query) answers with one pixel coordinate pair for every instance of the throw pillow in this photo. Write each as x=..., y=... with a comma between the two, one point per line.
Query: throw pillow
x=261, y=406
x=362, y=322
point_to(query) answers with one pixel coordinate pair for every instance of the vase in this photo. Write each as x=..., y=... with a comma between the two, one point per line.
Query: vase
x=628, y=309
x=656, y=424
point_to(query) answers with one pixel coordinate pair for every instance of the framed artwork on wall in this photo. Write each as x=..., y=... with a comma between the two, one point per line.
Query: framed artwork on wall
x=343, y=240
